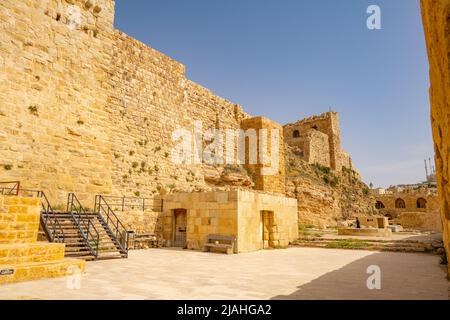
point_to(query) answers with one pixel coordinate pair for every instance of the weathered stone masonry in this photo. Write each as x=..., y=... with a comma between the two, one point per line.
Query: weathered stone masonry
x=86, y=108
x=318, y=138
x=53, y=95
x=436, y=20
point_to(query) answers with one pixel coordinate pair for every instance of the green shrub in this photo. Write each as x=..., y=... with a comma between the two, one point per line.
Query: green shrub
x=34, y=110
x=334, y=181
x=323, y=169
x=347, y=244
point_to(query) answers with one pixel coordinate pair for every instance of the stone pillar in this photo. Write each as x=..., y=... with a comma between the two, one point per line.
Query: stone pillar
x=268, y=177
x=436, y=21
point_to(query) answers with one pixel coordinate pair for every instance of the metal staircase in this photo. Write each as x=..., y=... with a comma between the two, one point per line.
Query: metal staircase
x=95, y=235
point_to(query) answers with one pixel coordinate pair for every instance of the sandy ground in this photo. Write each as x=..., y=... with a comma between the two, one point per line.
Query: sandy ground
x=295, y=273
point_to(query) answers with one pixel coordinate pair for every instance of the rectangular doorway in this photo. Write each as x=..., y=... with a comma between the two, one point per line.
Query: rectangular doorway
x=180, y=228
x=267, y=229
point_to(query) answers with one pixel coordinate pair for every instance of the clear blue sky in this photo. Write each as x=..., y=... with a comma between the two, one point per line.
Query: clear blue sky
x=289, y=59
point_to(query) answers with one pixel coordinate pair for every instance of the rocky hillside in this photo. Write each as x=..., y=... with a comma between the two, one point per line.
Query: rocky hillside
x=325, y=198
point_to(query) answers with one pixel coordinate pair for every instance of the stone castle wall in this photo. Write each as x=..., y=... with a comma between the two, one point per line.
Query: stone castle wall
x=53, y=95
x=150, y=98
x=436, y=20
x=86, y=108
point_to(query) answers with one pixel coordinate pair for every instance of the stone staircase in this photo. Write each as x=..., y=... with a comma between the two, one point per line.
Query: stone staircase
x=76, y=246
x=22, y=257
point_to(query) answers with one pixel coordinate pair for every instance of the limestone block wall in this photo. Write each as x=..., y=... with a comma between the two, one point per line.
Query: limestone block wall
x=86, y=108
x=20, y=253
x=207, y=213
x=54, y=129
x=412, y=217
x=327, y=123
x=235, y=213
x=436, y=20
x=283, y=228
x=268, y=177
x=423, y=221
x=19, y=219
x=410, y=199
x=145, y=105
x=142, y=222
x=150, y=99
x=317, y=148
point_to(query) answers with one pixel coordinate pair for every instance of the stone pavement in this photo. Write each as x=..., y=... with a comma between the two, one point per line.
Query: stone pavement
x=295, y=273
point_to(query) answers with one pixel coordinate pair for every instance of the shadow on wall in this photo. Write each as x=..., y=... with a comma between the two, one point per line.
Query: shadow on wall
x=350, y=282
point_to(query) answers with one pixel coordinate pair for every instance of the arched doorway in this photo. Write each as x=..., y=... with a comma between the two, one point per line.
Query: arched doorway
x=379, y=205
x=296, y=134
x=400, y=203
x=421, y=203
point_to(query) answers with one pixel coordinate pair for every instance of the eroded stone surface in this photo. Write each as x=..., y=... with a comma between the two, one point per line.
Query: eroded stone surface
x=436, y=20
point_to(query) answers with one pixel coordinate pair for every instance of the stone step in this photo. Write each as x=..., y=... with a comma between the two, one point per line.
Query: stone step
x=31, y=252
x=366, y=246
x=42, y=270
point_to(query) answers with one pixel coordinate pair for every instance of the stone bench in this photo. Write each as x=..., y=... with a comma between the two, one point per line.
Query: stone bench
x=226, y=244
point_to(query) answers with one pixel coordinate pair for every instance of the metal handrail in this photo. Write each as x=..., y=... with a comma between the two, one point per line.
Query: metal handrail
x=89, y=233
x=115, y=226
x=56, y=234
x=10, y=191
x=122, y=203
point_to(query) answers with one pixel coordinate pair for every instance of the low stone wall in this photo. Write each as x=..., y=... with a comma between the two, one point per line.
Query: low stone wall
x=368, y=232
x=22, y=257
x=19, y=219
x=422, y=221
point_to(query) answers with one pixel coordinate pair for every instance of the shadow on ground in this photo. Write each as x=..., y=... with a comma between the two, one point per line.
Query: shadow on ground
x=350, y=281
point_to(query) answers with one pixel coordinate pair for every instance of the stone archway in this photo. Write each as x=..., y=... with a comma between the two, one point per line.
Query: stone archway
x=421, y=203
x=379, y=205
x=400, y=203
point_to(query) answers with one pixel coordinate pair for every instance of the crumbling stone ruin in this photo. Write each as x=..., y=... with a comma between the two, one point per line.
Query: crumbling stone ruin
x=413, y=207
x=321, y=175
x=318, y=140
x=436, y=21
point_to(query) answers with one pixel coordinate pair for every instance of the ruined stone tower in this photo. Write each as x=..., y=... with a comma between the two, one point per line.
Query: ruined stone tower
x=319, y=139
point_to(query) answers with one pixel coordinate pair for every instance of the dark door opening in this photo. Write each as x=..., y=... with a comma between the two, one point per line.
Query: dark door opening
x=180, y=228
x=267, y=229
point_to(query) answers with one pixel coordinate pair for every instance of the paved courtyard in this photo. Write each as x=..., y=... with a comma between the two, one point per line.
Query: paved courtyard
x=296, y=273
